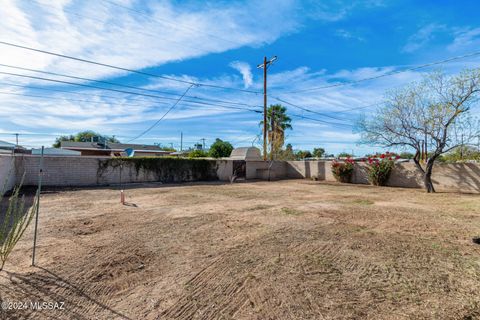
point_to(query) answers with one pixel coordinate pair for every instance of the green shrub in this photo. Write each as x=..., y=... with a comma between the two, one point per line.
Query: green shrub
x=198, y=154
x=14, y=220
x=379, y=169
x=343, y=171
x=165, y=169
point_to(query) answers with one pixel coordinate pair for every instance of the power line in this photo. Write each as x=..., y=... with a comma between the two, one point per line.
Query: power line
x=120, y=85
x=426, y=65
x=110, y=97
x=123, y=68
x=322, y=121
x=164, y=115
x=101, y=88
x=68, y=99
x=308, y=110
x=118, y=104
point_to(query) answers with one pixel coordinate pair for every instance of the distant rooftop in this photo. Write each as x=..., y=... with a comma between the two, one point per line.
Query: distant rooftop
x=245, y=153
x=109, y=146
x=8, y=145
x=56, y=151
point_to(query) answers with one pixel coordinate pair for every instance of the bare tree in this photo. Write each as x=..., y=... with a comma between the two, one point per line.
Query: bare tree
x=433, y=112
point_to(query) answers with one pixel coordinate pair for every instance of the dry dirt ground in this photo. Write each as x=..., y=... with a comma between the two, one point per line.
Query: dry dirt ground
x=281, y=250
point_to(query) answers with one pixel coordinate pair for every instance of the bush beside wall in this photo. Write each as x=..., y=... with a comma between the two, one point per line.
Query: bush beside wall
x=164, y=169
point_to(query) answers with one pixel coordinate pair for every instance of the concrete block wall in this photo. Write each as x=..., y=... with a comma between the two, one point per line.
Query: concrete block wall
x=83, y=171
x=8, y=175
x=224, y=170
x=259, y=170
x=57, y=170
x=460, y=177
x=306, y=169
x=79, y=171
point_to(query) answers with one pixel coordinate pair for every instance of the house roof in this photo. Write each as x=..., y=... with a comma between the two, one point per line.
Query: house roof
x=56, y=151
x=246, y=153
x=6, y=145
x=73, y=145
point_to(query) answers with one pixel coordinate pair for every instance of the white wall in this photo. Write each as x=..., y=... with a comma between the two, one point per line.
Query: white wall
x=8, y=175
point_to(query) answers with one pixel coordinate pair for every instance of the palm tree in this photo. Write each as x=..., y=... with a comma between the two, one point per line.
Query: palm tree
x=278, y=120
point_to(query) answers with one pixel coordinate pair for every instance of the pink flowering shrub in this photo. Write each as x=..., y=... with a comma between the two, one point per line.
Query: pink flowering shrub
x=343, y=171
x=380, y=167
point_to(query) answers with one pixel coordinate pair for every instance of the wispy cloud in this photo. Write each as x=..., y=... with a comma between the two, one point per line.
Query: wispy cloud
x=104, y=32
x=423, y=36
x=246, y=71
x=348, y=35
x=336, y=10
x=465, y=38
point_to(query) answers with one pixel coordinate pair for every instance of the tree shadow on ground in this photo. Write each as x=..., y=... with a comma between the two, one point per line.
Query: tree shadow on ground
x=44, y=285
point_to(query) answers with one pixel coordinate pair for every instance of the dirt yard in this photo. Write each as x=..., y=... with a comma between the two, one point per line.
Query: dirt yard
x=281, y=250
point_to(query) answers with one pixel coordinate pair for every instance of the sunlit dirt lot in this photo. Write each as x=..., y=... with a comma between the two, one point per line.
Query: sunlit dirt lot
x=263, y=250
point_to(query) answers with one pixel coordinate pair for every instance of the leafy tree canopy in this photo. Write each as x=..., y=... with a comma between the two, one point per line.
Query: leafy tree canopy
x=344, y=155
x=220, y=149
x=431, y=116
x=84, y=136
x=318, y=152
x=197, y=154
x=302, y=154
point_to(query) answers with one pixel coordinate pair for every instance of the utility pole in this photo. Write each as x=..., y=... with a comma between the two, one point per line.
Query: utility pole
x=265, y=65
x=181, y=141
x=16, y=138
x=272, y=125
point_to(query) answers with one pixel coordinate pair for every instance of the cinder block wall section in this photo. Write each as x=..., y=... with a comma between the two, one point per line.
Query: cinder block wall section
x=84, y=171
x=8, y=176
x=460, y=177
x=80, y=171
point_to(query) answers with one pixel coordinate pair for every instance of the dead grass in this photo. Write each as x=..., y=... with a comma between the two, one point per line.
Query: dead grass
x=280, y=250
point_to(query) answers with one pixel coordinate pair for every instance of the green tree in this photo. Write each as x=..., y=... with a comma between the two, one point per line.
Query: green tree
x=286, y=154
x=318, y=152
x=433, y=112
x=277, y=123
x=344, y=155
x=84, y=136
x=462, y=153
x=302, y=154
x=406, y=155
x=220, y=149
x=197, y=154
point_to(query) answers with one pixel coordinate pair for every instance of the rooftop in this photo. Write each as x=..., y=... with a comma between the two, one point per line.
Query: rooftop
x=74, y=145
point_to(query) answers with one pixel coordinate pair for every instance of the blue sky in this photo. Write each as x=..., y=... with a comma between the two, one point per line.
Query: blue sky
x=318, y=43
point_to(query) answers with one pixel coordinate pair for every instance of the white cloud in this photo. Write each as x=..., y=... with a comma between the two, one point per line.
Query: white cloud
x=465, y=39
x=246, y=71
x=348, y=35
x=336, y=10
x=422, y=37
x=161, y=33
